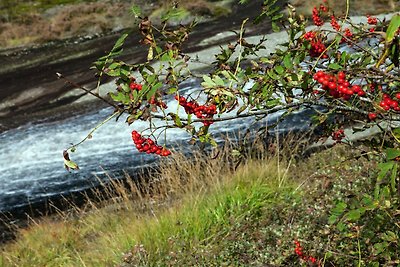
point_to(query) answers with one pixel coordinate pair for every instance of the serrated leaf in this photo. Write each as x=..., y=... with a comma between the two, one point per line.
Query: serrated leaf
x=136, y=11
x=120, y=97
x=229, y=75
x=208, y=82
x=118, y=44
x=218, y=81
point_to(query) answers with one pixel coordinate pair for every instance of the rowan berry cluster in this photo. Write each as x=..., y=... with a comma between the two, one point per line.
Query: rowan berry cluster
x=388, y=103
x=148, y=146
x=338, y=86
x=372, y=20
x=200, y=111
x=299, y=252
x=310, y=36
x=335, y=23
x=338, y=135
x=348, y=34
x=157, y=102
x=316, y=17
x=135, y=86
x=317, y=46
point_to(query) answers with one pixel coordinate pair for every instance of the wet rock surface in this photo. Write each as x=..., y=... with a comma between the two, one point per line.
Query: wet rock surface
x=29, y=86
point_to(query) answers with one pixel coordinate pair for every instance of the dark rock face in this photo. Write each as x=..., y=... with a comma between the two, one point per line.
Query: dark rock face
x=29, y=86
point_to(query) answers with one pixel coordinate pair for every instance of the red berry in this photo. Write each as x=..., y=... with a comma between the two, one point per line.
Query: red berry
x=341, y=75
x=372, y=116
x=332, y=85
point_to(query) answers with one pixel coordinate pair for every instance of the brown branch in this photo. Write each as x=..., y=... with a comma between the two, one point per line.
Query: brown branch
x=60, y=76
x=273, y=110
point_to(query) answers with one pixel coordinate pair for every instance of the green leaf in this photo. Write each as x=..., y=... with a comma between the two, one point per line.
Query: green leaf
x=229, y=75
x=339, y=208
x=393, y=178
x=69, y=164
x=353, y=215
x=392, y=28
x=380, y=247
x=114, y=65
x=118, y=44
x=287, y=61
x=334, y=66
x=272, y=74
x=275, y=27
x=332, y=219
x=392, y=153
x=341, y=226
x=136, y=11
x=208, y=82
x=120, y=97
x=384, y=168
x=218, y=80
x=153, y=90
x=280, y=70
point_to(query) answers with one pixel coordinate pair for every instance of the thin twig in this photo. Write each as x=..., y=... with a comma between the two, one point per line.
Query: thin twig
x=60, y=76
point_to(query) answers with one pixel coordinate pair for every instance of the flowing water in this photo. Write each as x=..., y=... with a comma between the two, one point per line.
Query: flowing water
x=31, y=162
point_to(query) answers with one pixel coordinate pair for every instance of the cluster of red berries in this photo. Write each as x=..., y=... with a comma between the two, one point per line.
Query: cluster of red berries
x=388, y=103
x=316, y=17
x=372, y=20
x=201, y=111
x=135, y=86
x=148, y=146
x=157, y=102
x=338, y=135
x=348, y=34
x=310, y=36
x=335, y=23
x=338, y=86
x=317, y=46
x=299, y=252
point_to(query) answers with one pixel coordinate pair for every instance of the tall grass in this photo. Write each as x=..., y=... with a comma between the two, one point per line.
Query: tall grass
x=186, y=205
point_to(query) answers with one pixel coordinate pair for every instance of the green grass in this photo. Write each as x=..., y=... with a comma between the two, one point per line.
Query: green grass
x=194, y=219
x=201, y=212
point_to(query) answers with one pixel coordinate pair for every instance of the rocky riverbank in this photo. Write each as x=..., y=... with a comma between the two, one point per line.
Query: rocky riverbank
x=29, y=85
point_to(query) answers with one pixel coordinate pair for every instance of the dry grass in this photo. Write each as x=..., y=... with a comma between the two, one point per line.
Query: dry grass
x=126, y=214
x=52, y=22
x=201, y=211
